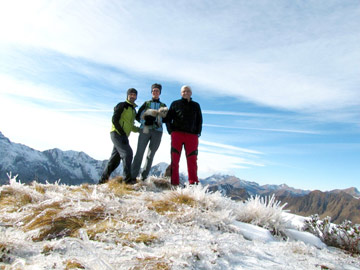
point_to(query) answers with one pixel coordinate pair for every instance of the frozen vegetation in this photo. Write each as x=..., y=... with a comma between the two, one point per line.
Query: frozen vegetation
x=152, y=226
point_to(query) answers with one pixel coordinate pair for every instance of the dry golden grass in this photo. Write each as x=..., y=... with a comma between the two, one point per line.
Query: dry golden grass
x=147, y=239
x=162, y=183
x=87, y=187
x=47, y=249
x=152, y=263
x=182, y=199
x=12, y=200
x=73, y=264
x=162, y=206
x=100, y=227
x=38, y=187
x=84, y=190
x=114, y=226
x=42, y=210
x=52, y=224
x=118, y=187
x=172, y=203
x=138, y=222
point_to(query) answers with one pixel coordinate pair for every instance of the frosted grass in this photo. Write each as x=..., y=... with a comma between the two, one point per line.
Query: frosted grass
x=153, y=227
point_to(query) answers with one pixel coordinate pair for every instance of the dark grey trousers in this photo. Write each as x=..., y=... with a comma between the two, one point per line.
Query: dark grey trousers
x=121, y=151
x=153, y=138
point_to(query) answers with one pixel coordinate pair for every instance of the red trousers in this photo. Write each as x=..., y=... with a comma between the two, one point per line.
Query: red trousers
x=190, y=142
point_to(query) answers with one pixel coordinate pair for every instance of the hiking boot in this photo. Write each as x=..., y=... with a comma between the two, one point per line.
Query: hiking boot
x=194, y=184
x=131, y=181
x=102, y=181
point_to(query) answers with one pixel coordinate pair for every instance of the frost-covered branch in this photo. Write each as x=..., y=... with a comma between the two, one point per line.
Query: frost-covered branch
x=345, y=236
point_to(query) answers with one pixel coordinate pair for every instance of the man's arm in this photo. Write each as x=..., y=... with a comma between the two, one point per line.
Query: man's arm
x=142, y=108
x=200, y=121
x=167, y=120
x=118, y=110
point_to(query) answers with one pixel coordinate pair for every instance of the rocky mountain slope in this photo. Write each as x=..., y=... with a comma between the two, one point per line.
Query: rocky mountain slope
x=70, y=167
x=339, y=206
x=241, y=189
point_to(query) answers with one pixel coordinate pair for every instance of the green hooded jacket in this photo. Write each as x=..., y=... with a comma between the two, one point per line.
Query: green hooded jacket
x=123, y=118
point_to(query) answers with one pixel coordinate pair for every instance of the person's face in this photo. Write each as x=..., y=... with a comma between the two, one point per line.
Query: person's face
x=186, y=93
x=155, y=93
x=132, y=97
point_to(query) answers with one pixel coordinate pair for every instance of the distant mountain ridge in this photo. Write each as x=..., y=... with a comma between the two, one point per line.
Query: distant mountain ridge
x=351, y=191
x=74, y=168
x=70, y=167
x=338, y=205
x=228, y=182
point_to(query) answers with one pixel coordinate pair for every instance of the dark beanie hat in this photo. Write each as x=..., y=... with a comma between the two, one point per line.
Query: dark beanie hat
x=131, y=90
x=156, y=85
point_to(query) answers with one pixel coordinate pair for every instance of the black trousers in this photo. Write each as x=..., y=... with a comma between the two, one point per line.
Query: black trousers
x=121, y=152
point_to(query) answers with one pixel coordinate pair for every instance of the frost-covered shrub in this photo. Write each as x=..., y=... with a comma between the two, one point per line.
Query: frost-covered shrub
x=265, y=212
x=345, y=236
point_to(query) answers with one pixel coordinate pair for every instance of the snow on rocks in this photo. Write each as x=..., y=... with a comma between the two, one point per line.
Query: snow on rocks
x=253, y=232
x=305, y=237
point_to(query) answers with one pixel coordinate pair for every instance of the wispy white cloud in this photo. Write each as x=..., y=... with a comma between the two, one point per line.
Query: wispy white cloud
x=242, y=50
x=22, y=89
x=233, y=113
x=43, y=128
x=230, y=147
x=265, y=129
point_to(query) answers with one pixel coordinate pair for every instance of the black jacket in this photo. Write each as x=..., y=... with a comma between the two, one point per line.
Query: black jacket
x=184, y=116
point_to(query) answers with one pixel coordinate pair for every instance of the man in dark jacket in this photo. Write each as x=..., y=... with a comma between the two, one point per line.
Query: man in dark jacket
x=184, y=124
x=122, y=124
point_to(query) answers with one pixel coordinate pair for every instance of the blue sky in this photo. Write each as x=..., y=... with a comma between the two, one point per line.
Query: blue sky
x=278, y=81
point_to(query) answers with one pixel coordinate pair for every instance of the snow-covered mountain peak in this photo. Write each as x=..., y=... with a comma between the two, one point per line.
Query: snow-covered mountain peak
x=51, y=165
x=3, y=138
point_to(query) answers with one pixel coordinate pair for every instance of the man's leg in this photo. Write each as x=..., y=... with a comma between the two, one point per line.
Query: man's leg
x=176, y=145
x=153, y=147
x=191, y=150
x=112, y=164
x=125, y=153
x=141, y=146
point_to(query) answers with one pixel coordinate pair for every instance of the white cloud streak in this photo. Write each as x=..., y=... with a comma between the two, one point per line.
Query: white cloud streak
x=28, y=90
x=231, y=113
x=230, y=147
x=278, y=55
x=265, y=129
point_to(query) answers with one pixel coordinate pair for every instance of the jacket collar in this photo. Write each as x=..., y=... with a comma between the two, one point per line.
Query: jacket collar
x=132, y=104
x=185, y=100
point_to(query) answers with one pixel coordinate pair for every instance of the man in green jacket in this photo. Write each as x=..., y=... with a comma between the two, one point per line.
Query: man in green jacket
x=122, y=124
